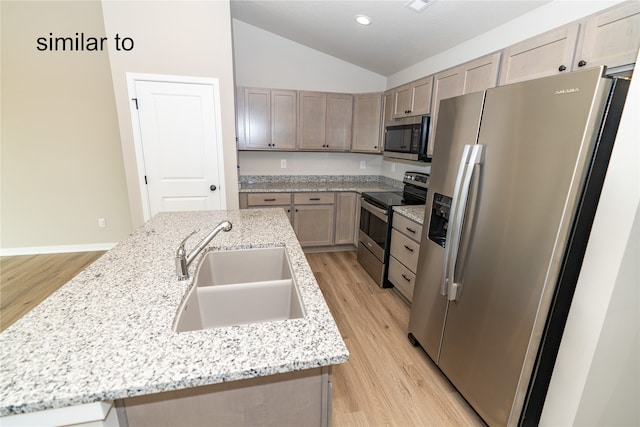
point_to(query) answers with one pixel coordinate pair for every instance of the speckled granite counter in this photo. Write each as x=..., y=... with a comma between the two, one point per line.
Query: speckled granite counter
x=107, y=334
x=304, y=183
x=413, y=212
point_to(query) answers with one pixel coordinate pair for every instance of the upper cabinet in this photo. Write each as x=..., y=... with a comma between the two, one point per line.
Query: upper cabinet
x=325, y=121
x=611, y=38
x=544, y=55
x=267, y=119
x=413, y=99
x=367, y=114
x=473, y=76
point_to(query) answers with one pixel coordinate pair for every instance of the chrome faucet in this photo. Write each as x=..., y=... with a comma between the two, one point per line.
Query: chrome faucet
x=183, y=260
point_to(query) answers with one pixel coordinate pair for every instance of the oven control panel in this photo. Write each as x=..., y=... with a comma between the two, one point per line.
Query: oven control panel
x=418, y=179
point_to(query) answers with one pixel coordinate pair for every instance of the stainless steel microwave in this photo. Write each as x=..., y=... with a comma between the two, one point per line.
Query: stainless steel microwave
x=408, y=141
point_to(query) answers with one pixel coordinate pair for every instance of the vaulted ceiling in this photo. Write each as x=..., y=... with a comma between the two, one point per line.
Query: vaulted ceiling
x=398, y=36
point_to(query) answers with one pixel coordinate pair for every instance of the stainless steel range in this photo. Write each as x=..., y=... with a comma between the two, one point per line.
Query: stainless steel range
x=376, y=209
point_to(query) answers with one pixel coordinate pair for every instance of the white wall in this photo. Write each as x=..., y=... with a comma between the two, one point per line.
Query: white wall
x=263, y=59
x=596, y=380
x=181, y=38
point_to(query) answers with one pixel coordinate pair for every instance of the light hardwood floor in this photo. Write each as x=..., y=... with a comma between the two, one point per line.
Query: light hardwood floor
x=386, y=382
x=25, y=281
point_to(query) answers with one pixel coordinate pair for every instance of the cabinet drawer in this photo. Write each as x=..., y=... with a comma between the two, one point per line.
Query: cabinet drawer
x=404, y=249
x=401, y=277
x=268, y=199
x=407, y=227
x=319, y=198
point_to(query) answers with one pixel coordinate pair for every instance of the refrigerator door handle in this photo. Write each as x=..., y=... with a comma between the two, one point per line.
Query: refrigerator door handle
x=464, y=160
x=476, y=158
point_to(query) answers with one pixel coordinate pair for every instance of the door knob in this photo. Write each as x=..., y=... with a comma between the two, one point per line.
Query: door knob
x=213, y=188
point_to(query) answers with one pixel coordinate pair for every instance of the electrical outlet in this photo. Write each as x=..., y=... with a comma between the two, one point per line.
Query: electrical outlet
x=102, y=222
x=283, y=164
x=363, y=164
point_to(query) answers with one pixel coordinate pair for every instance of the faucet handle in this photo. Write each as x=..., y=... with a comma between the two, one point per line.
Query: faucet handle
x=181, y=251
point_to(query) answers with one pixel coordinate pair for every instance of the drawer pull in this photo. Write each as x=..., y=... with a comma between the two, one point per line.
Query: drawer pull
x=411, y=230
x=405, y=278
x=314, y=198
x=408, y=248
x=269, y=200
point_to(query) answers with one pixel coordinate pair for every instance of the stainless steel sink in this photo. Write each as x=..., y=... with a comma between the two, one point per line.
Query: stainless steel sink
x=240, y=287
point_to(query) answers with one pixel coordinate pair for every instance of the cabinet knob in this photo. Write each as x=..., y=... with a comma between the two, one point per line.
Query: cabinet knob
x=213, y=188
x=582, y=63
x=562, y=68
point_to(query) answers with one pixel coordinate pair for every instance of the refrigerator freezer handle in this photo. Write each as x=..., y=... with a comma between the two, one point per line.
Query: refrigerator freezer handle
x=464, y=160
x=476, y=158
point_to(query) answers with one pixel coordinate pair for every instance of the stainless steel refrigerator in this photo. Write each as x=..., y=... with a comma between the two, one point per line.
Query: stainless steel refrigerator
x=515, y=180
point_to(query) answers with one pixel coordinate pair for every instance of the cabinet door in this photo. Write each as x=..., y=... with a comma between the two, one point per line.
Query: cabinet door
x=313, y=119
x=480, y=74
x=611, y=38
x=313, y=224
x=339, y=122
x=367, y=111
x=422, y=96
x=402, y=102
x=346, y=208
x=544, y=55
x=283, y=119
x=387, y=116
x=257, y=118
x=446, y=84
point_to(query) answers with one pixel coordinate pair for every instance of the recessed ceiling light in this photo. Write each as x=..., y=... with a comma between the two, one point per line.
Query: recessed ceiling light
x=363, y=20
x=419, y=5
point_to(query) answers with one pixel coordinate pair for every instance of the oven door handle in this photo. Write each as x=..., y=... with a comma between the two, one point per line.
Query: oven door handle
x=379, y=212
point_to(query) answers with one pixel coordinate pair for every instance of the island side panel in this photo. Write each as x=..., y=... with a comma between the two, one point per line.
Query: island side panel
x=290, y=399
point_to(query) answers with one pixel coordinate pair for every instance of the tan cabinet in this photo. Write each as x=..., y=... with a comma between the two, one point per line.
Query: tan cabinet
x=325, y=121
x=404, y=251
x=610, y=38
x=413, y=99
x=346, y=217
x=266, y=119
x=367, y=115
x=543, y=55
x=387, y=112
x=267, y=200
x=313, y=218
x=473, y=76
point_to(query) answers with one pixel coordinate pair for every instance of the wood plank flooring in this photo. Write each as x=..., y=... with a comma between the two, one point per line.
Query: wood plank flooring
x=387, y=381
x=25, y=281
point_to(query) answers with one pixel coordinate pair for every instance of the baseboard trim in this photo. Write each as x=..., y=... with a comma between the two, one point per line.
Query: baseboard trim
x=38, y=250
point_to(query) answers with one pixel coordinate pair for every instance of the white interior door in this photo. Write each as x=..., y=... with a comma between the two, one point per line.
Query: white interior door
x=181, y=145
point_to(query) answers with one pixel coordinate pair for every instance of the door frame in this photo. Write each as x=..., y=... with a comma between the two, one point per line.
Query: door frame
x=132, y=78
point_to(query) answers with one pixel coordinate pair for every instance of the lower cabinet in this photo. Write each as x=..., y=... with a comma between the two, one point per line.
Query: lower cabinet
x=289, y=399
x=313, y=218
x=319, y=219
x=405, y=247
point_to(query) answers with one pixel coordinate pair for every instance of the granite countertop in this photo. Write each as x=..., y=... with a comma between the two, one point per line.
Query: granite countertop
x=413, y=212
x=312, y=183
x=108, y=333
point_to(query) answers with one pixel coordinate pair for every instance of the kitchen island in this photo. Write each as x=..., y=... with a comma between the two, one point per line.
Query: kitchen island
x=107, y=335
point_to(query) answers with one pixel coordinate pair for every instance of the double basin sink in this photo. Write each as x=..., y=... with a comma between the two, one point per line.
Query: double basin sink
x=240, y=287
